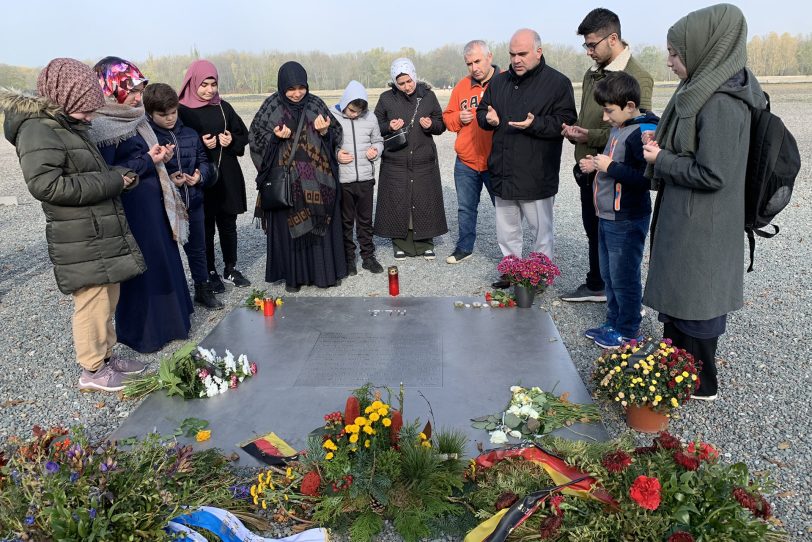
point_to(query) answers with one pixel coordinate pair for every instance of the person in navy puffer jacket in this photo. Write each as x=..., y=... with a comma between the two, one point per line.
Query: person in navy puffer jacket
x=190, y=170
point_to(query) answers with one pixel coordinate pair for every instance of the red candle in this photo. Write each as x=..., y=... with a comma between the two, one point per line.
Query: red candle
x=268, y=306
x=394, y=283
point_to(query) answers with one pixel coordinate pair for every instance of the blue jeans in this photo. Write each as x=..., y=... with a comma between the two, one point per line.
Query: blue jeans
x=620, y=248
x=469, y=182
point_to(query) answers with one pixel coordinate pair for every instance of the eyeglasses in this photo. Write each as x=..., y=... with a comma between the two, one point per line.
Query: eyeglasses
x=592, y=46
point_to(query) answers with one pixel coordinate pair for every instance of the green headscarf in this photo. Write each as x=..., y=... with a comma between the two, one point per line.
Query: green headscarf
x=712, y=43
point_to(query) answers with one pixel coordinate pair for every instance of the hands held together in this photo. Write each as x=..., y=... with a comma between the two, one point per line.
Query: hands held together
x=210, y=141
x=320, y=124
x=345, y=157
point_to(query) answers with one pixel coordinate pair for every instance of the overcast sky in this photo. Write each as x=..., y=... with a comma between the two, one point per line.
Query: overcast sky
x=34, y=31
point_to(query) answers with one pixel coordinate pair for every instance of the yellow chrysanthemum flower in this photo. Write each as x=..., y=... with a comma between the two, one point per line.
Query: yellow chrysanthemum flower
x=264, y=505
x=360, y=421
x=386, y=422
x=329, y=456
x=203, y=435
x=679, y=379
x=354, y=438
x=383, y=411
x=374, y=417
x=256, y=500
x=253, y=490
x=674, y=402
x=652, y=388
x=426, y=444
x=422, y=436
x=685, y=374
x=658, y=398
x=367, y=443
x=693, y=377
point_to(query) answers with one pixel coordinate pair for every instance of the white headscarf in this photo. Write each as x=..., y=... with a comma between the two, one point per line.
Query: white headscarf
x=401, y=66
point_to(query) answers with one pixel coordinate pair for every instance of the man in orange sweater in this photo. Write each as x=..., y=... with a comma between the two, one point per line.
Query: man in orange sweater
x=473, y=144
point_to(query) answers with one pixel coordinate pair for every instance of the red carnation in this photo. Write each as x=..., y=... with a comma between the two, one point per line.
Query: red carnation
x=550, y=527
x=506, y=500
x=667, y=441
x=645, y=491
x=686, y=460
x=756, y=503
x=555, y=504
x=706, y=451
x=311, y=483
x=681, y=536
x=616, y=461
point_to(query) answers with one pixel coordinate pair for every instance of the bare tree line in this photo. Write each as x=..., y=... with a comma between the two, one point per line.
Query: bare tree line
x=255, y=73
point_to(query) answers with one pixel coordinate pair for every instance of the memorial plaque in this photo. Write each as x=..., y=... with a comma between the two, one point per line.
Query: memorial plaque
x=454, y=363
x=353, y=359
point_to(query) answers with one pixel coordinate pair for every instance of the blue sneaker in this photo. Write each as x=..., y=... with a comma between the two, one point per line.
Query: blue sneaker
x=593, y=332
x=611, y=338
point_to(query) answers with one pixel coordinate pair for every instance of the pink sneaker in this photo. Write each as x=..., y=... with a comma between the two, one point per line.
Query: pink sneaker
x=126, y=366
x=105, y=379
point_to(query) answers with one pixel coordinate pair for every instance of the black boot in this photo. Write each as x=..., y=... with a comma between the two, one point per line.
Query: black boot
x=204, y=295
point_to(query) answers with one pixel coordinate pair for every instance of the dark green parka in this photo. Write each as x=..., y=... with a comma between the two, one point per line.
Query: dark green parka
x=89, y=241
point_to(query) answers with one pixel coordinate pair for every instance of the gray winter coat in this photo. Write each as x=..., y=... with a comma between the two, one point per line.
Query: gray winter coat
x=359, y=135
x=697, y=254
x=89, y=240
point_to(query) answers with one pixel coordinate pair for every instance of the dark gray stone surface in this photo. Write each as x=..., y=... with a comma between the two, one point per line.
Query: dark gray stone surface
x=314, y=351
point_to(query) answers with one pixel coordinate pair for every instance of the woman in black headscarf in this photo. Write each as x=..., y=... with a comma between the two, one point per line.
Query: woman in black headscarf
x=305, y=245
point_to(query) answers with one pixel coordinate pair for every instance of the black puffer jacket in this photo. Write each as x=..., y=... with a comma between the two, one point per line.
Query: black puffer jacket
x=410, y=177
x=524, y=164
x=89, y=241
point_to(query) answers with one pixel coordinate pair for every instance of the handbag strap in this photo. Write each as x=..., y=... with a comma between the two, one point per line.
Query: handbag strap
x=296, y=139
x=225, y=129
x=411, y=122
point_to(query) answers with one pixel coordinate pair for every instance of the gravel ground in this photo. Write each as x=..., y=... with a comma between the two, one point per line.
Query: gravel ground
x=758, y=419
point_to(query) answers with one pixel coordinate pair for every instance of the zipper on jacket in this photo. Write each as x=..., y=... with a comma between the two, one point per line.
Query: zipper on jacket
x=185, y=192
x=355, y=150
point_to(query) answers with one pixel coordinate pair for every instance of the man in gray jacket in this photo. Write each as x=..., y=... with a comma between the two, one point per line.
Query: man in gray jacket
x=362, y=145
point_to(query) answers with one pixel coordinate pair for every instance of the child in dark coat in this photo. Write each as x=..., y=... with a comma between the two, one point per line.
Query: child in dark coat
x=190, y=171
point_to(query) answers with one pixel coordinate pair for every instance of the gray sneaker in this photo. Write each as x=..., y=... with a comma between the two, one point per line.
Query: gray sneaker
x=126, y=366
x=105, y=379
x=583, y=293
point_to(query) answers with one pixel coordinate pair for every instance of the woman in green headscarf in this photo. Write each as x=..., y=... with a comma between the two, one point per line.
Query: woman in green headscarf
x=698, y=165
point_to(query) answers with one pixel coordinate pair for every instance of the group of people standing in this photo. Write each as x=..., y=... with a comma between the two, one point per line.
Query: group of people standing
x=123, y=183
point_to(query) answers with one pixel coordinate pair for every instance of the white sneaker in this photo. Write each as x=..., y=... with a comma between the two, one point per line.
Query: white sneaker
x=705, y=397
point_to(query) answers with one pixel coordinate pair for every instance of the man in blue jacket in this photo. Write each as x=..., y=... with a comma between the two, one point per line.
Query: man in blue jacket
x=525, y=108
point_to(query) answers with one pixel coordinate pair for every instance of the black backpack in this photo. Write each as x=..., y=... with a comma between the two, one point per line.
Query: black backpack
x=773, y=163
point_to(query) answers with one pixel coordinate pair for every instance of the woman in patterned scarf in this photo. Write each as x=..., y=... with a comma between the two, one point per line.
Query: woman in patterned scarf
x=154, y=307
x=305, y=244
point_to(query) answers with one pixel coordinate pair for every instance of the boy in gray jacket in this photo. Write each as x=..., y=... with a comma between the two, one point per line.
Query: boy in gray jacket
x=362, y=145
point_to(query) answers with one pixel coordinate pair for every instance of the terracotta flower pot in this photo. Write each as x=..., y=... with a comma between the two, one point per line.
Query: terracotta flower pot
x=645, y=419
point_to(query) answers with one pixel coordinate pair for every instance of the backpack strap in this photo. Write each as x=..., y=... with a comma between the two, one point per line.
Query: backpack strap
x=751, y=240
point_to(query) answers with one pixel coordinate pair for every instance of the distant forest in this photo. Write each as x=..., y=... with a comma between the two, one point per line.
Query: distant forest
x=255, y=73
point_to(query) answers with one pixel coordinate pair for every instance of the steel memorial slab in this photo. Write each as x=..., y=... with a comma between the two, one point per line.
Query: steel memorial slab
x=455, y=363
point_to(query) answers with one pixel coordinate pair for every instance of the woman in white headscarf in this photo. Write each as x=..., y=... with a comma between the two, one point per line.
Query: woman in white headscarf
x=410, y=207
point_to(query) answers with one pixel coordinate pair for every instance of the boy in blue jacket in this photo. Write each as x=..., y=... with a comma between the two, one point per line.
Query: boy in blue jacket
x=190, y=170
x=620, y=193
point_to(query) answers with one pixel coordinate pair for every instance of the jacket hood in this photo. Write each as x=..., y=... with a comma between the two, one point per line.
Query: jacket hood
x=646, y=118
x=744, y=86
x=20, y=106
x=354, y=91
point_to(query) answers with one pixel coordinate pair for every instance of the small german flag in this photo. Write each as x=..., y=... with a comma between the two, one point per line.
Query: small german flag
x=269, y=449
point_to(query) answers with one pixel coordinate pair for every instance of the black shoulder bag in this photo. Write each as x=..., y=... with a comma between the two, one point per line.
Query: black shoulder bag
x=275, y=181
x=397, y=140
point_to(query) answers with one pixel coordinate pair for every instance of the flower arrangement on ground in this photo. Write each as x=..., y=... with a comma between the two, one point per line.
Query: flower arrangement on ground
x=256, y=300
x=668, y=491
x=366, y=465
x=60, y=486
x=532, y=413
x=653, y=373
x=536, y=271
x=500, y=299
x=192, y=372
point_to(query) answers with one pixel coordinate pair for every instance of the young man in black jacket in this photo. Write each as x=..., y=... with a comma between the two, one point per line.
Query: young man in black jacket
x=525, y=108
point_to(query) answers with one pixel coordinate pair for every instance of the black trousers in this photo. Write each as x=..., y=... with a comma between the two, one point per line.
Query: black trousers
x=356, y=214
x=226, y=224
x=590, y=221
x=703, y=350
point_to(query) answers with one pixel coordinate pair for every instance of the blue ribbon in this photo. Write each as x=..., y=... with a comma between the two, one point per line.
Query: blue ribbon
x=229, y=528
